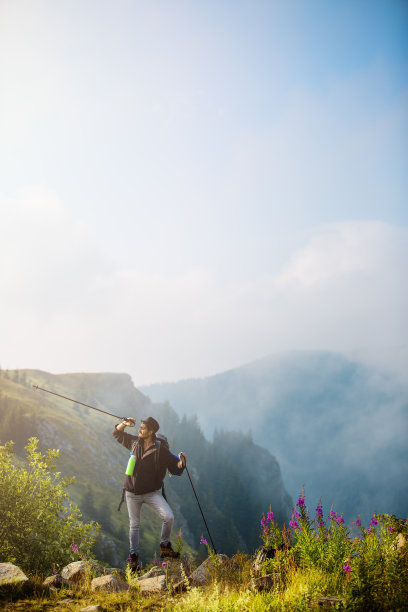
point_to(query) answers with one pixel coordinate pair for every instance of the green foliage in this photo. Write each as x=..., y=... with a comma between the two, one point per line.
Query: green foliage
x=369, y=571
x=379, y=565
x=179, y=543
x=320, y=543
x=39, y=525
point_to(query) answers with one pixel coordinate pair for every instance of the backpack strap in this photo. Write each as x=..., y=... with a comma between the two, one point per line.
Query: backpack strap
x=158, y=445
x=122, y=499
x=156, y=460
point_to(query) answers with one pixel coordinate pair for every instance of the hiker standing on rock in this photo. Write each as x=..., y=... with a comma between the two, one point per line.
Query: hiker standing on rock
x=151, y=457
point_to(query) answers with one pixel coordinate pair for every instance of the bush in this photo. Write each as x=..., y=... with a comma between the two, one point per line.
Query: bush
x=39, y=527
x=369, y=572
x=379, y=566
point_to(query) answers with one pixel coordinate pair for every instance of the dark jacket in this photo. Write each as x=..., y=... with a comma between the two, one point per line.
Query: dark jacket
x=146, y=477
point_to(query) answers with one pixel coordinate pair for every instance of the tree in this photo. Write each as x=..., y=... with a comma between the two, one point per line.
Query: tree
x=39, y=525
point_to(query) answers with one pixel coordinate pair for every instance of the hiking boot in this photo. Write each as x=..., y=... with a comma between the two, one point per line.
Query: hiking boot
x=133, y=561
x=167, y=551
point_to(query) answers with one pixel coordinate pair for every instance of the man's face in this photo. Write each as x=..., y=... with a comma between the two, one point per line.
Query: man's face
x=144, y=432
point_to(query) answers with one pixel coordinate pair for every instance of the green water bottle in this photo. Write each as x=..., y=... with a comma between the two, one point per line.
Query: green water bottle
x=131, y=465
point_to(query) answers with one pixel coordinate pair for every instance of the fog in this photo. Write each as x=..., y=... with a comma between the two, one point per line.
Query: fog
x=186, y=187
x=68, y=306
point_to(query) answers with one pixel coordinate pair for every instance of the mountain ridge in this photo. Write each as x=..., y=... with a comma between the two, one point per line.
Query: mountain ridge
x=336, y=425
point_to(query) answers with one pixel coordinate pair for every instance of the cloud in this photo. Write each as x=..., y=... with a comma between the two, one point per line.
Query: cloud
x=67, y=305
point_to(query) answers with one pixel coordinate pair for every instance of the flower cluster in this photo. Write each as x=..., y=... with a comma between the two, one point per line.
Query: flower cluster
x=179, y=543
x=319, y=515
x=336, y=518
x=270, y=532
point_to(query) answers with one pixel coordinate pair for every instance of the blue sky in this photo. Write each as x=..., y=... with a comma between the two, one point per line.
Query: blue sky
x=175, y=178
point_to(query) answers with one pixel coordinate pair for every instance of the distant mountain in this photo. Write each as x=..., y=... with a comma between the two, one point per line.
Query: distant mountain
x=235, y=479
x=335, y=425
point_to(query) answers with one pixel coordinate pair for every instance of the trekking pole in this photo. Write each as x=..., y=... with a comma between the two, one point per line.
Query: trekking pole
x=82, y=404
x=202, y=514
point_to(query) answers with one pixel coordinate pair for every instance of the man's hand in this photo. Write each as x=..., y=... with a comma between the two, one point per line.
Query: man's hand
x=129, y=422
x=183, y=460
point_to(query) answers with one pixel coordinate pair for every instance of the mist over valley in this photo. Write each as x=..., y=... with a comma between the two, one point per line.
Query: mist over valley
x=337, y=426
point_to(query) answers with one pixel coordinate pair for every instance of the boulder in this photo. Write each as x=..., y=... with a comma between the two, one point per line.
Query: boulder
x=96, y=608
x=157, y=570
x=100, y=570
x=265, y=553
x=54, y=582
x=157, y=584
x=74, y=572
x=202, y=575
x=401, y=541
x=109, y=583
x=13, y=580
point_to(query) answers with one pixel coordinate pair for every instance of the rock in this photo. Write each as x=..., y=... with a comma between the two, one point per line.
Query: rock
x=269, y=582
x=173, y=569
x=74, y=572
x=327, y=602
x=180, y=586
x=104, y=571
x=152, y=573
x=13, y=580
x=202, y=574
x=265, y=553
x=157, y=584
x=54, y=582
x=401, y=541
x=109, y=583
x=96, y=608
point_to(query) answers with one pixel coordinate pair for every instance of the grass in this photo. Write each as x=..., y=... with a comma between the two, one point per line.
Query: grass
x=231, y=589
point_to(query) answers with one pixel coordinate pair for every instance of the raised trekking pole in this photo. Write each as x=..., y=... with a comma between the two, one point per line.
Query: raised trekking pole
x=202, y=513
x=82, y=404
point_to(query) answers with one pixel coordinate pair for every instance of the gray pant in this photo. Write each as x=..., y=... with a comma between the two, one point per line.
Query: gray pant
x=158, y=503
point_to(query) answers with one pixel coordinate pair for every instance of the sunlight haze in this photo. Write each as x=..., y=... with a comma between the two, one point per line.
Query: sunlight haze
x=186, y=187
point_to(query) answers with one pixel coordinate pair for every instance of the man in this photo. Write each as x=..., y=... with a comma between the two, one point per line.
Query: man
x=145, y=485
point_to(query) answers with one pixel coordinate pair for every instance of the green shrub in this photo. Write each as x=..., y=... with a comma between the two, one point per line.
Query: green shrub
x=319, y=558
x=39, y=527
x=379, y=566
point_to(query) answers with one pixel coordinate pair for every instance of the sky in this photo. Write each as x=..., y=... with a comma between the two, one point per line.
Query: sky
x=188, y=186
